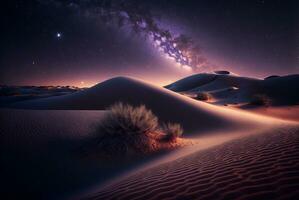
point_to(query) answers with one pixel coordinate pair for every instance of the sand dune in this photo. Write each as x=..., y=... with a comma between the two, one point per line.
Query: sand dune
x=41, y=154
x=167, y=105
x=12, y=94
x=289, y=113
x=43, y=137
x=282, y=89
x=191, y=82
x=263, y=166
x=212, y=82
x=279, y=89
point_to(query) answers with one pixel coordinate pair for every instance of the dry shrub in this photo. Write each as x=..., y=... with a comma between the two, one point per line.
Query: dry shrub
x=132, y=130
x=172, y=131
x=203, y=96
x=260, y=100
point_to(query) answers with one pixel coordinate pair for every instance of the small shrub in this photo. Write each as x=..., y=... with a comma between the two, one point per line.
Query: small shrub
x=128, y=130
x=203, y=96
x=260, y=100
x=172, y=131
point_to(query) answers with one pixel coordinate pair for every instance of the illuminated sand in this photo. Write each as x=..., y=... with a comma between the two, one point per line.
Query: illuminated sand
x=283, y=112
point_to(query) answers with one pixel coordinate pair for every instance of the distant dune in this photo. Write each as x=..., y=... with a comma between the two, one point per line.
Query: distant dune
x=227, y=88
x=12, y=94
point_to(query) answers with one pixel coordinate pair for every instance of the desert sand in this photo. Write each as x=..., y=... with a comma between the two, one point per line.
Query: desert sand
x=263, y=166
x=235, y=154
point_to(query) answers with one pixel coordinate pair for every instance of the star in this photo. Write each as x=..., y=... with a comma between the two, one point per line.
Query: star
x=58, y=35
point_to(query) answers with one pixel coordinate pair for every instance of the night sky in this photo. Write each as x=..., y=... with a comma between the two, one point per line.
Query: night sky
x=83, y=42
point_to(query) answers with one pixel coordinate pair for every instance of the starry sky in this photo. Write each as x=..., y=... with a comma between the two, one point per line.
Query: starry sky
x=83, y=42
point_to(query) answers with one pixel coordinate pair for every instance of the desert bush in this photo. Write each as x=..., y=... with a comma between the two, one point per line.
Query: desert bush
x=171, y=132
x=127, y=129
x=132, y=130
x=203, y=96
x=260, y=100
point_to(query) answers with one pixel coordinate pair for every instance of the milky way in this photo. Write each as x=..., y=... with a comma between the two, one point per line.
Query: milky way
x=138, y=17
x=181, y=48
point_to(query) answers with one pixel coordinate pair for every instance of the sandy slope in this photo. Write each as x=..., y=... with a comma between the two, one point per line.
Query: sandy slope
x=260, y=166
x=39, y=153
x=290, y=113
x=281, y=90
x=12, y=94
x=191, y=82
x=167, y=105
x=210, y=81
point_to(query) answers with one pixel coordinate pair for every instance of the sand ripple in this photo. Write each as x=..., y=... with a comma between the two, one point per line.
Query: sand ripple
x=264, y=166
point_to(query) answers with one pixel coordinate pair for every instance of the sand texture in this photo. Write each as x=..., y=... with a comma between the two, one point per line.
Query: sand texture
x=263, y=166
